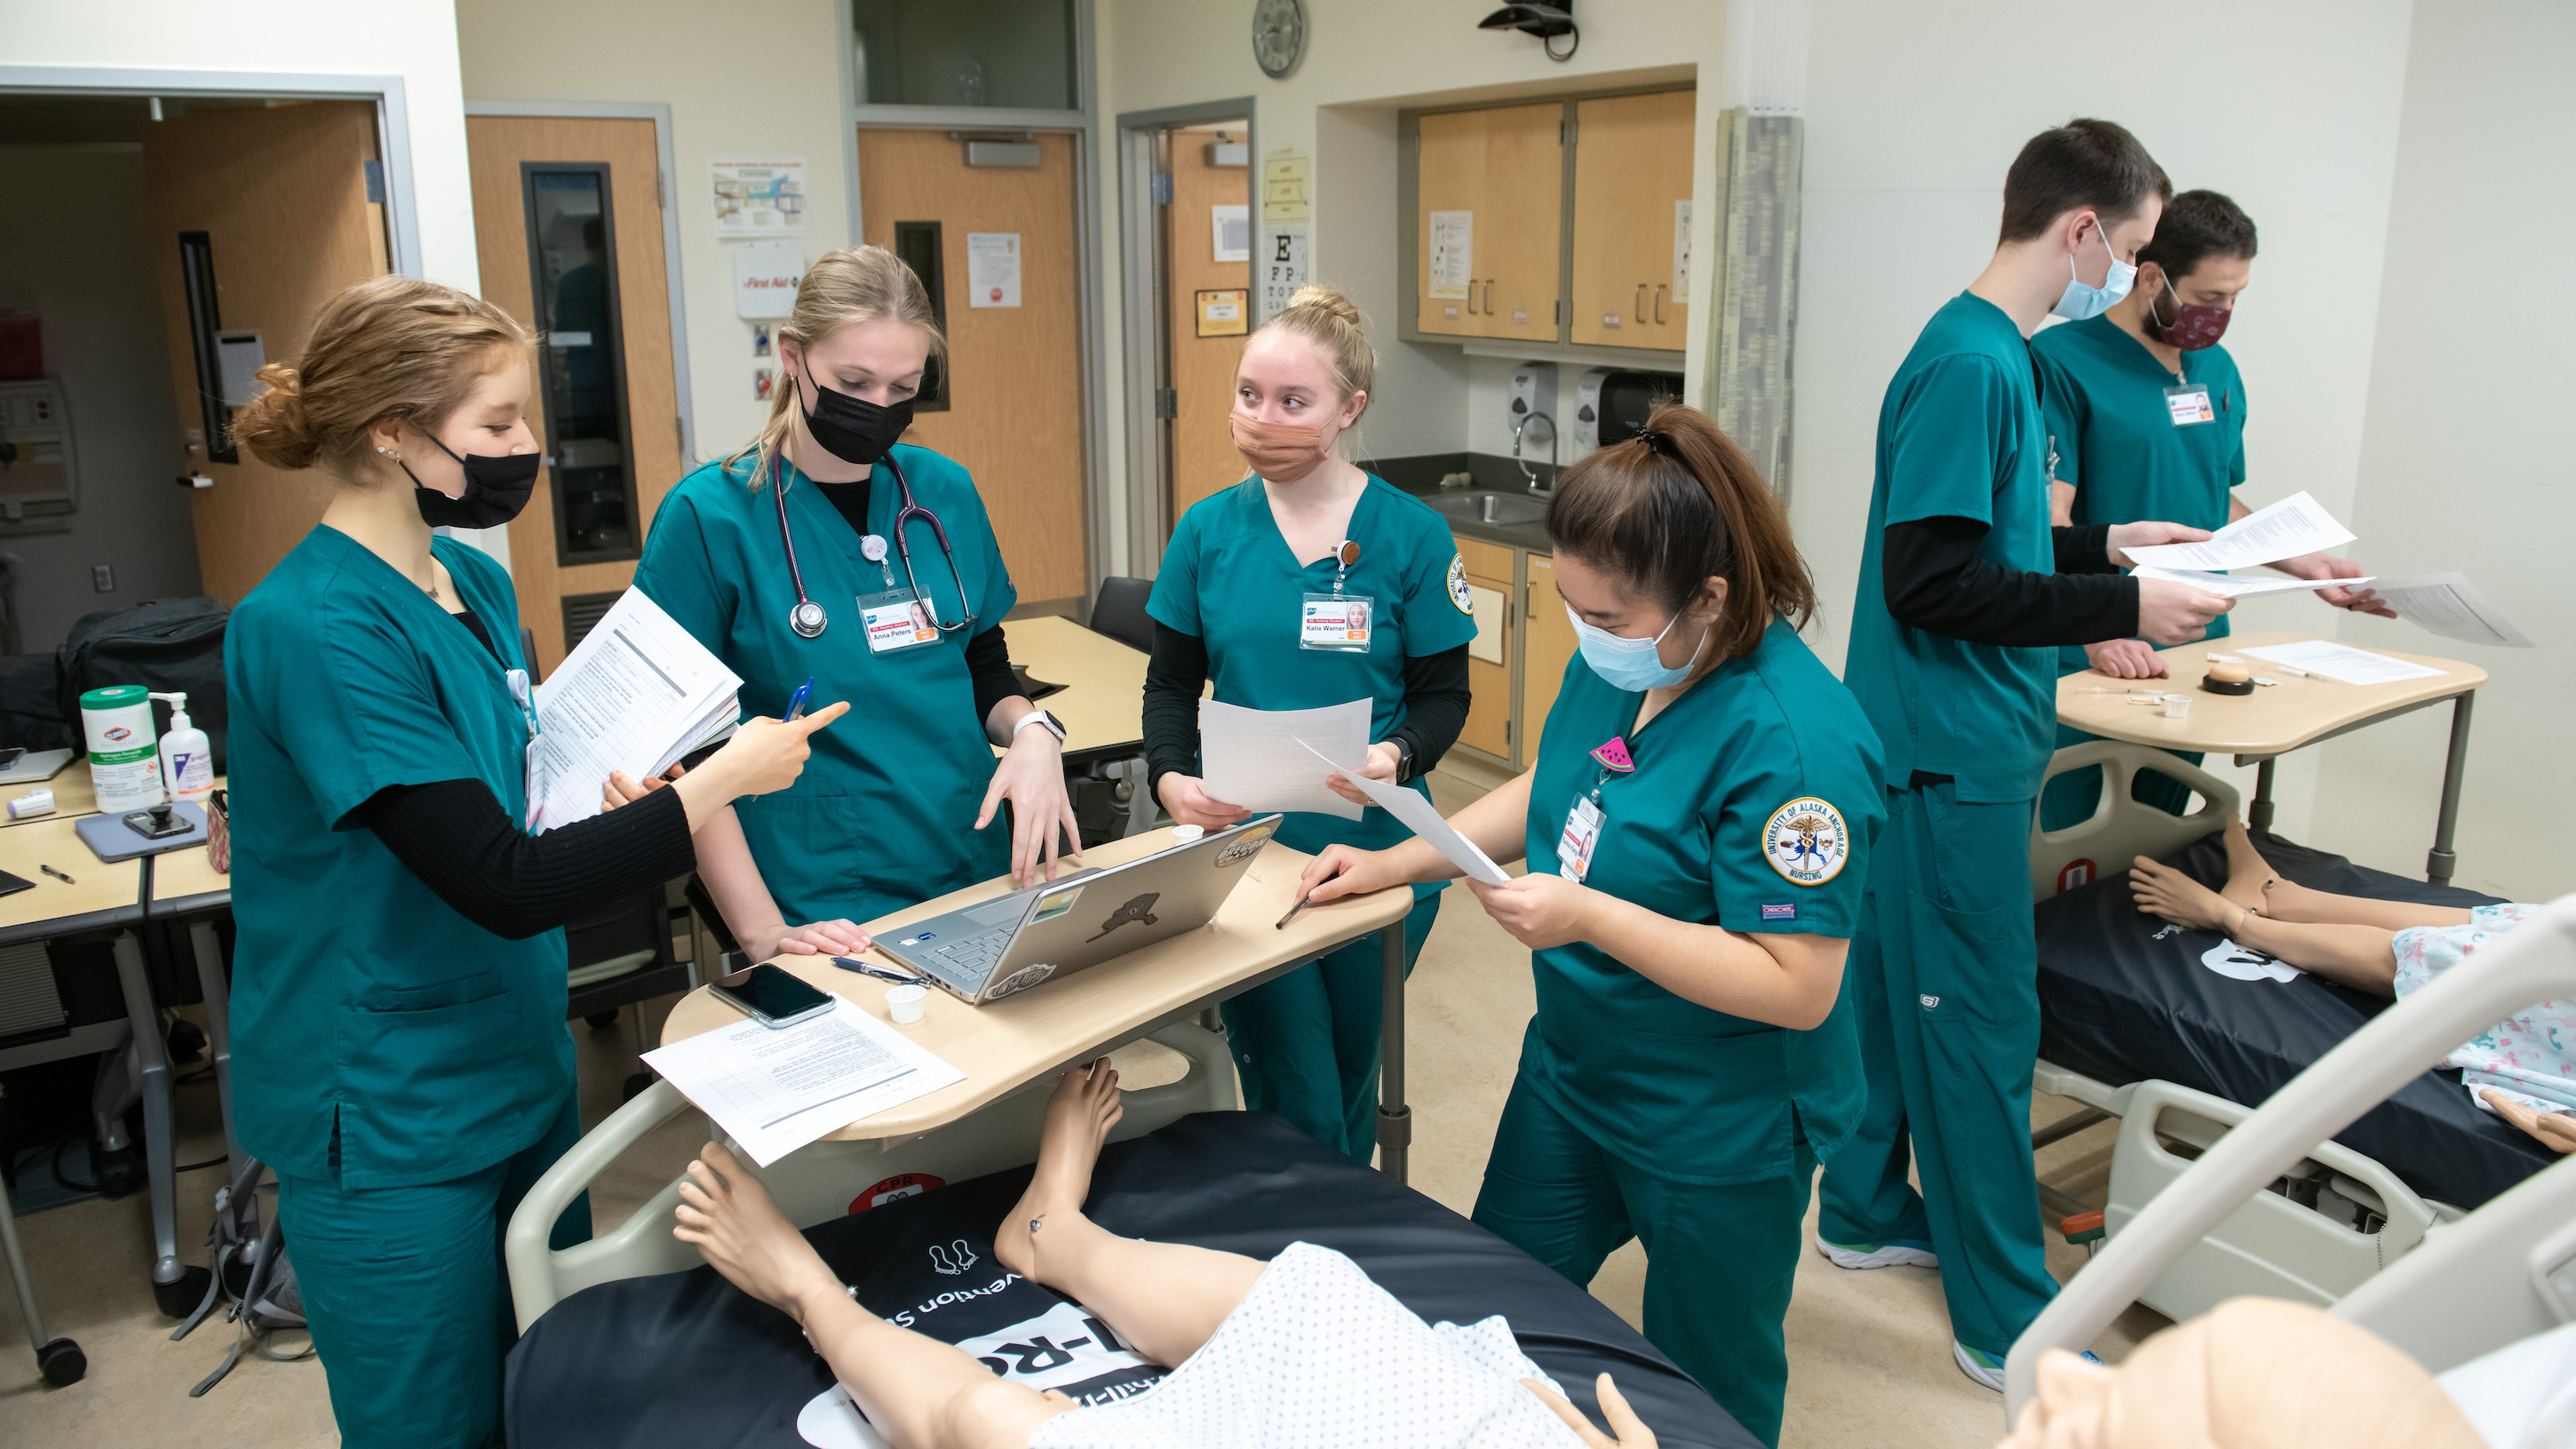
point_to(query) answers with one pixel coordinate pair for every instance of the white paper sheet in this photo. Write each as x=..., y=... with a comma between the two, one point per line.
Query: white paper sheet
x=2239, y=586
x=1257, y=758
x=992, y=269
x=773, y=1091
x=637, y=694
x=2297, y=524
x=1420, y=817
x=2340, y=662
x=2446, y=604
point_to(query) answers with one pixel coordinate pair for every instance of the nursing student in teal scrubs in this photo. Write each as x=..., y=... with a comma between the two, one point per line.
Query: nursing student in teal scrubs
x=400, y=1056
x=2146, y=414
x=1697, y=826
x=1311, y=583
x=1966, y=593
x=827, y=551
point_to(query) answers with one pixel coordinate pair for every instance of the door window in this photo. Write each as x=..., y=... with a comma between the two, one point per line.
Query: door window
x=572, y=259
x=1017, y=54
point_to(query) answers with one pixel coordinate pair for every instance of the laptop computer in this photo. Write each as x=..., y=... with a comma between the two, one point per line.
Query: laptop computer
x=1004, y=946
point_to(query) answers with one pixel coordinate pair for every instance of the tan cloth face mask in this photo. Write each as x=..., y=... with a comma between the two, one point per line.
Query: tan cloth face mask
x=1278, y=450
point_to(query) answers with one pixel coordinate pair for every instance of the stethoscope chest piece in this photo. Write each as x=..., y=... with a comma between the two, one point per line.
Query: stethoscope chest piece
x=806, y=619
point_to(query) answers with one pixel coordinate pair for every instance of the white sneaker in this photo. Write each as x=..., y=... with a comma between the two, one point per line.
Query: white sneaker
x=1877, y=1255
x=1984, y=1368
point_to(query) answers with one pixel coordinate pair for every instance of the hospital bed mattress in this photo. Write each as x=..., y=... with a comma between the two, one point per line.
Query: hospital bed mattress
x=684, y=1358
x=2125, y=997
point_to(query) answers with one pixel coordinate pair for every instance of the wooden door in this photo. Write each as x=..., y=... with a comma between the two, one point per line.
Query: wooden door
x=279, y=194
x=1546, y=648
x=1501, y=172
x=1632, y=186
x=1202, y=368
x=1489, y=658
x=1014, y=416
x=498, y=149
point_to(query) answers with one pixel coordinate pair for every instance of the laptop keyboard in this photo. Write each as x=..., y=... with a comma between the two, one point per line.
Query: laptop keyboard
x=965, y=964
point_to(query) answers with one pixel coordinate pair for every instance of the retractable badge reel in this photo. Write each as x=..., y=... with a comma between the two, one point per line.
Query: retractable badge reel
x=1340, y=620
x=1583, y=820
x=895, y=617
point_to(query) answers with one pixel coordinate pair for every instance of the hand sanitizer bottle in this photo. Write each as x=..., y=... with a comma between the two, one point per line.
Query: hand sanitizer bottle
x=187, y=760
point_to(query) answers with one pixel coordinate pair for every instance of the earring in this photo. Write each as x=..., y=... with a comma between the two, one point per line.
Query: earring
x=388, y=452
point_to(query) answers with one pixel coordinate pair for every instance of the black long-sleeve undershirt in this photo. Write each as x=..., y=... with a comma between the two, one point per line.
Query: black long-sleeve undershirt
x=458, y=839
x=1435, y=704
x=1936, y=579
x=988, y=658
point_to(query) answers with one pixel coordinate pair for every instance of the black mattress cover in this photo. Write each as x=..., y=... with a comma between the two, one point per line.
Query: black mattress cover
x=2120, y=1005
x=686, y=1358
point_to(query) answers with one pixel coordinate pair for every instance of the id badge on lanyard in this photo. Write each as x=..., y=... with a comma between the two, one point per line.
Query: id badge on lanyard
x=1582, y=833
x=895, y=620
x=1338, y=620
x=2188, y=404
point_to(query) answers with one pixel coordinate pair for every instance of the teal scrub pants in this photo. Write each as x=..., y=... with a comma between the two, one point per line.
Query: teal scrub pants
x=1720, y=1261
x=1943, y=980
x=408, y=1299
x=1306, y=1044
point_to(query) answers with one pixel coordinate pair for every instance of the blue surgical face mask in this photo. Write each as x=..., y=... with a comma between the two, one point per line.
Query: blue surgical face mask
x=1630, y=664
x=2080, y=301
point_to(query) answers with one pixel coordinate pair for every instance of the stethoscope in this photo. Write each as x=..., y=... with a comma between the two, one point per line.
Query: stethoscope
x=807, y=618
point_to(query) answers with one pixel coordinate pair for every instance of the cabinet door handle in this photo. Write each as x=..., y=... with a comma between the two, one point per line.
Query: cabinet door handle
x=1659, y=303
x=1641, y=304
x=1471, y=296
x=1489, y=296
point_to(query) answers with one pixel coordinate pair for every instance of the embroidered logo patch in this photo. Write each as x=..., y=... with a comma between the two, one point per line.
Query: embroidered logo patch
x=1806, y=841
x=1458, y=593
x=1929, y=1002
x=1779, y=913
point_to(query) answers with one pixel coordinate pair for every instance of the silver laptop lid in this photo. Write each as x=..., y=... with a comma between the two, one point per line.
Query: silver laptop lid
x=1079, y=923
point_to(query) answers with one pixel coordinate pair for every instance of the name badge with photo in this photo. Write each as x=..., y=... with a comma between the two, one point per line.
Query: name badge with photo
x=1336, y=621
x=2188, y=403
x=1582, y=832
x=896, y=620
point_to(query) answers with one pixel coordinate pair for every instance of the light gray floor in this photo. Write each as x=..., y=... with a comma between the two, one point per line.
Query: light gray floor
x=1868, y=1352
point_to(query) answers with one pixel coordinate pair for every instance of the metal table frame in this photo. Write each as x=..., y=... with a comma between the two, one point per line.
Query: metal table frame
x=2441, y=862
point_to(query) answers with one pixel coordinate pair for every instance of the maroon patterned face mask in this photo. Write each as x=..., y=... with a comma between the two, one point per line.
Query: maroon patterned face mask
x=2192, y=328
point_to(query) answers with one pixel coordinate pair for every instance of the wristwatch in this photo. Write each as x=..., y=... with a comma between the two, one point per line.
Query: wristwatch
x=1403, y=759
x=1040, y=717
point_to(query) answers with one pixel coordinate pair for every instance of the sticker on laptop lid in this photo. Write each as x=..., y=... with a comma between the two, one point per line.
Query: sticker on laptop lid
x=1022, y=980
x=1050, y=907
x=1244, y=846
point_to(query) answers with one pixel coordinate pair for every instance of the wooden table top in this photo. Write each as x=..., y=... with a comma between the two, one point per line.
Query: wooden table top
x=94, y=888
x=2273, y=720
x=1020, y=1038
x=180, y=875
x=1102, y=703
x=73, y=794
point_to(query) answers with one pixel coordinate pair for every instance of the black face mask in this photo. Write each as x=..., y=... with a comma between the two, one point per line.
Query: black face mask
x=854, y=429
x=496, y=489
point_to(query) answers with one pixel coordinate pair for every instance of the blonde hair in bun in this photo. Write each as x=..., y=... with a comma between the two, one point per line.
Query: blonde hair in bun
x=1331, y=321
x=388, y=347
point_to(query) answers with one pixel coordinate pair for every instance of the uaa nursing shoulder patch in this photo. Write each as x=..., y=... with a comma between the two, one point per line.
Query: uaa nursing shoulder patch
x=1806, y=841
x=1458, y=593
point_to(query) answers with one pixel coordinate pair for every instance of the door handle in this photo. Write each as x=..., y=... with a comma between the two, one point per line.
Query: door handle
x=1659, y=303
x=1471, y=296
x=1489, y=296
x=1641, y=304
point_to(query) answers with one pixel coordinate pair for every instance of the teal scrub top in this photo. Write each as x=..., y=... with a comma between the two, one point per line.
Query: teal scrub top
x=1959, y=435
x=1753, y=806
x=2102, y=394
x=366, y=1011
x=884, y=815
x=1228, y=577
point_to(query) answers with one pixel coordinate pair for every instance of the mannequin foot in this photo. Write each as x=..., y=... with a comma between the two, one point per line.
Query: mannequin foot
x=1078, y=1118
x=2249, y=875
x=2160, y=890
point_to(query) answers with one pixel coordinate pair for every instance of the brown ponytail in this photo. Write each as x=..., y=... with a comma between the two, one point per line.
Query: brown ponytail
x=388, y=347
x=1676, y=506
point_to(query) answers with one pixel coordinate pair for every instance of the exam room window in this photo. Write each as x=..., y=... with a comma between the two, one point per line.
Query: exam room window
x=572, y=259
x=1017, y=54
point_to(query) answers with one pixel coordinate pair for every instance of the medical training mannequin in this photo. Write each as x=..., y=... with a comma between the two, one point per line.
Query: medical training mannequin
x=2252, y=1373
x=1168, y=1300
x=2524, y=1067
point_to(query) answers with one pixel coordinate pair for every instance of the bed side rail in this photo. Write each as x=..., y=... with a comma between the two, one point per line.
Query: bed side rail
x=2504, y=1272
x=2121, y=828
x=817, y=1182
x=2534, y=962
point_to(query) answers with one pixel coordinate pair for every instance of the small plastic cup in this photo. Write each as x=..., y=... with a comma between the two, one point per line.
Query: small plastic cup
x=2177, y=706
x=903, y=1003
x=1187, y=833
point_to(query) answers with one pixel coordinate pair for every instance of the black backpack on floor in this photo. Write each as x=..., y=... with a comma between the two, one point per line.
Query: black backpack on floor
x=166, y=645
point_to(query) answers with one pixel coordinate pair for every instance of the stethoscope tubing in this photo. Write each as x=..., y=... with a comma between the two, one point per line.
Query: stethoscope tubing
x=910, y=510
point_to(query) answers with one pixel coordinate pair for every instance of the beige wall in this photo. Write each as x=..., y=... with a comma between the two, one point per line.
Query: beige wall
x=764, y=80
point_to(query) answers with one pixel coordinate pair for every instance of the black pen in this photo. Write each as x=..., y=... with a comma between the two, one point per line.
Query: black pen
x=1303, y=901
x=58, y=875
x=849, y=963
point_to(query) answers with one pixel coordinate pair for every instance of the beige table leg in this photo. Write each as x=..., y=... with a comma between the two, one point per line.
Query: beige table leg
x=219, y=1036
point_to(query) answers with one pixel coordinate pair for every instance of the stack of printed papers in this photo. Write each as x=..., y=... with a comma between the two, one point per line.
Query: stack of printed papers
x=2297, y=524
x=637, y=695
x=774, y=1090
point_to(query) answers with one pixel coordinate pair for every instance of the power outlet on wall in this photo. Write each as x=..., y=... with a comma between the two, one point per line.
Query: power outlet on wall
x=102, y=577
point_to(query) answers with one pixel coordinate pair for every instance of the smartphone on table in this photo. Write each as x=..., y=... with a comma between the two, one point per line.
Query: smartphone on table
x=771, y=996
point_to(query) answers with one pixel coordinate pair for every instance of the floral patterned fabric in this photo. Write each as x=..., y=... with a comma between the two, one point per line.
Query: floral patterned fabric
x=2530, y=1055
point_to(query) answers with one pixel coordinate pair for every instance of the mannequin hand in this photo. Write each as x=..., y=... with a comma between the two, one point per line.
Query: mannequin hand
x=1031, y=777
x=1380, y=766
x=818, y=938
x=1186, y=797
x=1539, y=910
x=2327, y=566
x=1344, y=870
x=2125, y=659
x=2556, y=1130
x=2126, y=536
x=2172, y=613
x=1631, y=1431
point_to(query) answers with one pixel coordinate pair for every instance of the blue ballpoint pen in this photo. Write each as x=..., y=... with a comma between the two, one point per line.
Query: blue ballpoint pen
x=796, y=701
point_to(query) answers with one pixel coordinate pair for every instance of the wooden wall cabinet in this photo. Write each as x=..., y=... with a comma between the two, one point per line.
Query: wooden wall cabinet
x=1487, y=262
x=1632, y=193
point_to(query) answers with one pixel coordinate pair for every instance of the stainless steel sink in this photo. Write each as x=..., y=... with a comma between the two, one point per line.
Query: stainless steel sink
x=1501, y=509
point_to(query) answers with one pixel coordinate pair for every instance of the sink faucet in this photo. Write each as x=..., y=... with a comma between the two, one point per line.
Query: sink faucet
x=1528, y=473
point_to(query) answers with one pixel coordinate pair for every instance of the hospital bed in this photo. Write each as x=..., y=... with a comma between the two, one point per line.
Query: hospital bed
x=630, y=1340
x=2493, y=1276
x=2136, y=1023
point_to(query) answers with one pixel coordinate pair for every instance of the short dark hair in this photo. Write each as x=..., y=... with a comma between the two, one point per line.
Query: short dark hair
x=2196, y=226
x=2082, y=163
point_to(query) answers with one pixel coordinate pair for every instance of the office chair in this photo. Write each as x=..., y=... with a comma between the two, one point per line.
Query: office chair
x=1119, y=612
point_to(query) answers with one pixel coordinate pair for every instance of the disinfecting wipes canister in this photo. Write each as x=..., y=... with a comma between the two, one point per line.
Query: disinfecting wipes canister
x=124, y=755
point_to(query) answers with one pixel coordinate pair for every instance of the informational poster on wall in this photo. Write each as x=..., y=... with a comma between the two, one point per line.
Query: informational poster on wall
x=1283, y=267
x=1681, y=250
x=1221, y=313
x=1230, y=227
x=993, y=268
x=1453, y=252
x=759, y=195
